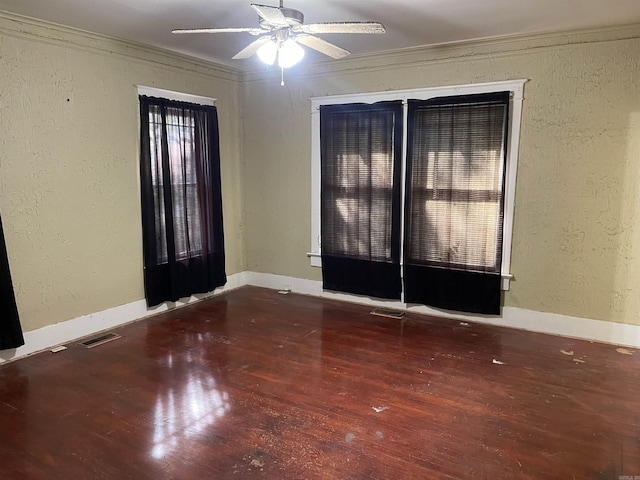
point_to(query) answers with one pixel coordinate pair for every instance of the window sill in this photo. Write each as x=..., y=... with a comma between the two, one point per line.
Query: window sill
x=316, y=260
x=506, y=281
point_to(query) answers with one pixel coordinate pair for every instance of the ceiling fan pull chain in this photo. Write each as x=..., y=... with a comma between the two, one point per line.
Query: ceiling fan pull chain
x=281, y=76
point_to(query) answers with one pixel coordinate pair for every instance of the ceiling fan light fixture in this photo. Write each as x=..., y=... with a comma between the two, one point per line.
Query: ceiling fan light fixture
x=282, y=32
x=289, y=53
x=268, y=52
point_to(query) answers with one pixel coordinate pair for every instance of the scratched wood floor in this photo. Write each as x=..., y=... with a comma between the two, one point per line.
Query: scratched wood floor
x=252, y=384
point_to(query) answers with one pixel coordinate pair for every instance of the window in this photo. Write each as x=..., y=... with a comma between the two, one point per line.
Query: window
x=458, y=182
x=179, y=128
x=181, y=199
x=455, y=181
x=361, y=198
x=455, y=168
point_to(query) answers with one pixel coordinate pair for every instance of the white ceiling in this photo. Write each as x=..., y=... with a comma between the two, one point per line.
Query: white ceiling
x=409, y=23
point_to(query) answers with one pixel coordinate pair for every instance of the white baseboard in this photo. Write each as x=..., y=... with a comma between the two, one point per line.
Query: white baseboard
x=513, y=317
x=541, y=322
x=65, y=332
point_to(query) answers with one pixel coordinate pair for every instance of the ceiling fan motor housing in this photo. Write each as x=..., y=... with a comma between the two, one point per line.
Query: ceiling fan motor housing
x=294, y=18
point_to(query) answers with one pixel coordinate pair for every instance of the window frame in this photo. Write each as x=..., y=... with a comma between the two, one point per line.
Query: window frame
x=177, y=96
x=516, y=89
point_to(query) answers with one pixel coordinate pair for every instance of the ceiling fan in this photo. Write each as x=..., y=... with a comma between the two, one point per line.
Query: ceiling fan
x=281, y=31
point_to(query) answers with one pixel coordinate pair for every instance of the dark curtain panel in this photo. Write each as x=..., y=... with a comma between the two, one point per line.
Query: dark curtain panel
x=181, y=199
x=454, y=201
x=361, y=149
x=10, y=330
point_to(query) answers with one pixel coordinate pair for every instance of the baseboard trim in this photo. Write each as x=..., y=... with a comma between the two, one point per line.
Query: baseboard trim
x=74, y=329
x=513, y=317
x=540, y=322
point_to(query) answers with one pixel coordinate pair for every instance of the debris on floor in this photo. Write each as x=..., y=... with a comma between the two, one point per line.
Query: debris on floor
x=385, y=312
x=624, y=351
x=498, y=362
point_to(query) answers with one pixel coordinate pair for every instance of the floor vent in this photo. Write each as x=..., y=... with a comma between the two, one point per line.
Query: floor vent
x=384, y=312
x=95, y=341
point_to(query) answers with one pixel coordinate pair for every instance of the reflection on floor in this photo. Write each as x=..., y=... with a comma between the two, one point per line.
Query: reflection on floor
x=255, y=384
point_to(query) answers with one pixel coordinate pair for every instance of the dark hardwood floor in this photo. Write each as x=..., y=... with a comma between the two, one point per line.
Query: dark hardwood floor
x=253, y=384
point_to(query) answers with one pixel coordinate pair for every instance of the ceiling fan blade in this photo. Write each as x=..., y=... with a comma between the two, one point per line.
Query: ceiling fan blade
x=272, y=15
x=322, y=46
x=341, y=27
x=252, y=31
x=252, y=48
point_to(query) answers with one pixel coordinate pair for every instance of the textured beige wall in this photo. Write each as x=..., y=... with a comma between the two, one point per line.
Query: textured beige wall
x=69, y=191
x=576, y=245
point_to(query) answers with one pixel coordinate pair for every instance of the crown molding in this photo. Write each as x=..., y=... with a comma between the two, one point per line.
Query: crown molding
x=449, y=52
x=19, y=26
